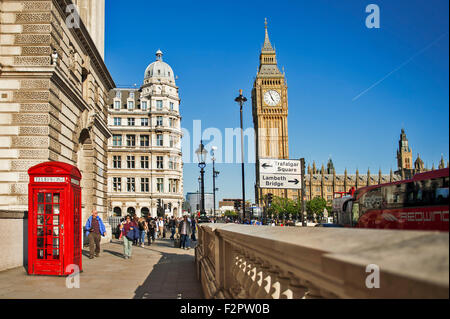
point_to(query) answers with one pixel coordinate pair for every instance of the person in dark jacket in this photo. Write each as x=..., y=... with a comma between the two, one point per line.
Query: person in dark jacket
x=185, y=230
x=172, y=225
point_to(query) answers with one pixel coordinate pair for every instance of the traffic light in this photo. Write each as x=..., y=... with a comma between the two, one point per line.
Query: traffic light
x=237, y=205
x=170, y=206
x=269, y=199
x=159, y=203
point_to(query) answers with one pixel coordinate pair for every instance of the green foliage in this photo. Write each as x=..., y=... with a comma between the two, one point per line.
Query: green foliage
x=283, y=207
x=316, y=206
x=231, y=213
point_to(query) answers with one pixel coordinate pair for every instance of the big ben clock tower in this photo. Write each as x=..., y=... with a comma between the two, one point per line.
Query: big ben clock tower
x=270, y=111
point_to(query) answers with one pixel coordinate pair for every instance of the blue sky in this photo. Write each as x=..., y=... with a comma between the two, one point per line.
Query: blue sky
x=329, y=56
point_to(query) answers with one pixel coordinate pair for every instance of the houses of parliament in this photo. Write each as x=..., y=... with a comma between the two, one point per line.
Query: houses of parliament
x=270, y=112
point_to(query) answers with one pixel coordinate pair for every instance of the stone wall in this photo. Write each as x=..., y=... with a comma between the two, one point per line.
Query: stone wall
x=53, y=88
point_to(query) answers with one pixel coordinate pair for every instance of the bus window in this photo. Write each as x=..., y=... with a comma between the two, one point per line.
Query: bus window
x=355, y=213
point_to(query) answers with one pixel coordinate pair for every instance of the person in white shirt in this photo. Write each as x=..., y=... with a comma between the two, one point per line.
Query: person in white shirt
x=161, y=227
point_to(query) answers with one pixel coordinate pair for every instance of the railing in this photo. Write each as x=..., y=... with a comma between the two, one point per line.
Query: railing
x=260, y=262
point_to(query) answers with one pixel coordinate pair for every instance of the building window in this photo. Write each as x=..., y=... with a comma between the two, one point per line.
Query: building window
x=117, y=121
x=117, y=161
x=131, y=184
x=131, y=95
x=117, y=105
x=159, y=140
x=131, y=121
x=144, y=161
x=172, y=141
x=130, y=105
x=173, y=185
x=145, y=141
x=131, y=140
x=160, y=162
x=159, y=121
x=117, y=140
x=170, y=122
x=172, y=163
x=117, y=184
x=145, y=185
x=144, y=122
x=159, y=105
x=171, y=106
x=144, y=105
x=130, y=162
x=160, y=185
x=118, y=94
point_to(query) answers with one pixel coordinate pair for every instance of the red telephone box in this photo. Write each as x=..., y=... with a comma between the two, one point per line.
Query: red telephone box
x=54, y=219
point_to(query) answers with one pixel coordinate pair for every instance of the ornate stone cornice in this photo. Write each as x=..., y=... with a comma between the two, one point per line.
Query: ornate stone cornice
x=83, y=37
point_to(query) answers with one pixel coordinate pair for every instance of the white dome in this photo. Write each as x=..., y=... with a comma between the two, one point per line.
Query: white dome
x=159, y=69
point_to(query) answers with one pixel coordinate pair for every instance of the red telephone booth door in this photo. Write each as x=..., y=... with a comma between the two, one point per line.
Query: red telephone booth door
x=48, y=230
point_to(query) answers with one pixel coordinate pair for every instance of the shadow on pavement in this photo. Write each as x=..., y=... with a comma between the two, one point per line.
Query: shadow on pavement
x=174, y=274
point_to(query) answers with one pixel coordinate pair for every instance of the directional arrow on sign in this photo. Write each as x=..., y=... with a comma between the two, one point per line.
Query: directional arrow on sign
x=295, y=181
x=265, y=165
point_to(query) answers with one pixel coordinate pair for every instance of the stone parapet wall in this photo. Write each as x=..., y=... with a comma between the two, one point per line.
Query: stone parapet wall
x=260, y=262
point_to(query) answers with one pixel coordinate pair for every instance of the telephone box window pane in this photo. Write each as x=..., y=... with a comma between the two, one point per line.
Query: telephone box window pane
x=55, y=242
x=40, y=242
x=55, y=254
x=56, y=198
x=40, y=231
x=48, y=209
x=40, y=209
x=40, y=220
x=40, y=254
x=56, y=231
x=55, y=220
x=48, y=198
x=40, y=197
x=56, y=209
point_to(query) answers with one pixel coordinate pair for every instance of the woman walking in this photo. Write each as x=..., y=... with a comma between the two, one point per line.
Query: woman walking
x=142, y=231
x=126, y=227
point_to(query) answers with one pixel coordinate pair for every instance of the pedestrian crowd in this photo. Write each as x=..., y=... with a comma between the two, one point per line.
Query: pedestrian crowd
x=134, y=230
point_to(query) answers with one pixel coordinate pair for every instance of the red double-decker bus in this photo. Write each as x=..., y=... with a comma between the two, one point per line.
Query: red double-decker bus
x=420, y=203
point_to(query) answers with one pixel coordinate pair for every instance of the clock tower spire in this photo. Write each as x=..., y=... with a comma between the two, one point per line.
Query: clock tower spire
x=270, y=111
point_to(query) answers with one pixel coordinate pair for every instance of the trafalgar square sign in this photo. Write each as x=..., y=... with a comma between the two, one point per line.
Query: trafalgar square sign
x=280, y=173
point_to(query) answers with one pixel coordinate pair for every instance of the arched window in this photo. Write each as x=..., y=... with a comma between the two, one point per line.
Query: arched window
x=145, y=212
x=131, y=211
x=117, y=211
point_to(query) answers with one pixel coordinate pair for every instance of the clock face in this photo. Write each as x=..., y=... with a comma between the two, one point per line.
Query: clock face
x=272, y=98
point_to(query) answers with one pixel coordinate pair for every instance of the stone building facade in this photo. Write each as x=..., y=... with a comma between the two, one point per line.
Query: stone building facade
x=53, y=92
x=145, y=169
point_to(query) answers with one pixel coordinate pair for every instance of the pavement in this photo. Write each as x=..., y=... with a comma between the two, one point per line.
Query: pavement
x=159, y=271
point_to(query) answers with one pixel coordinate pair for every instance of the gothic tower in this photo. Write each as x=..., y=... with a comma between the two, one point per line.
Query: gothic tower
x=270, y=111
x=404, y=157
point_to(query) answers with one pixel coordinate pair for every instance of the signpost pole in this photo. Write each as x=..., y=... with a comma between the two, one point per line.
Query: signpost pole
x=302, y=164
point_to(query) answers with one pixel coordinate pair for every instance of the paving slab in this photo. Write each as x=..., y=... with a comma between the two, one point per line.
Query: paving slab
x=159, y=271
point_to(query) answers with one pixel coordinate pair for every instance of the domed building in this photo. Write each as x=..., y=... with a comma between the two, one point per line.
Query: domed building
x=145, y=170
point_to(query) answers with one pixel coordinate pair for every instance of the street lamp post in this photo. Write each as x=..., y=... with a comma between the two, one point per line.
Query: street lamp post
x=241, y=100
x=201, y=154
x=215, y=174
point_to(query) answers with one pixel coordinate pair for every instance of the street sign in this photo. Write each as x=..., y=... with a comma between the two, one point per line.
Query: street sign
x=280, y=174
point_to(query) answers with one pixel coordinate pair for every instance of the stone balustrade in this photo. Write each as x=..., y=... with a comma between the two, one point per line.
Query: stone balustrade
x=262, y=262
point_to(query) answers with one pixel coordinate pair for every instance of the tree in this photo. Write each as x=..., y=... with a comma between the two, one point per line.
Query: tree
x=283, y=207
x=315, y=206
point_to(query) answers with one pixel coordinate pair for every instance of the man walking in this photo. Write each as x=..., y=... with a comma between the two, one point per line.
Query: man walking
x=161, y=227
x=94, y=230
x=185, y=232
x=172, y=227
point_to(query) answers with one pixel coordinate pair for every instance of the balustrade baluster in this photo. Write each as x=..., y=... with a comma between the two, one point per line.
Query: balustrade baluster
x=257, y=278
x=263, y=291
x=298, y=287
x=274, y=292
